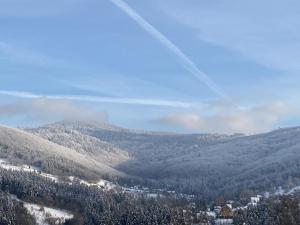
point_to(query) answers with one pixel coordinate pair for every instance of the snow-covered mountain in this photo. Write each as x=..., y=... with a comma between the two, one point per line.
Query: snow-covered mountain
x=22, y=147
x=68, y=136
x=202, y=163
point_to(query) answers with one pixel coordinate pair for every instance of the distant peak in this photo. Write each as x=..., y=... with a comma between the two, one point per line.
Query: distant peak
x=75, y=124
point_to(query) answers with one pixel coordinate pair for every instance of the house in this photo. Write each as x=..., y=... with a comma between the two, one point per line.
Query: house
x=226, y=212
x=255, y=200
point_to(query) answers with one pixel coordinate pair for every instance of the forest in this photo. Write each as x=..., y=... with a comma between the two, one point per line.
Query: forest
x=93, y=206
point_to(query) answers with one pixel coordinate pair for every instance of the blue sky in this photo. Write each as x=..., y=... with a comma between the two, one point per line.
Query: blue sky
x=188, y=66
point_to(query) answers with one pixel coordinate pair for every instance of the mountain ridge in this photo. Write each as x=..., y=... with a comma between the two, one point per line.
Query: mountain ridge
x=202, y=163
x=19, y=145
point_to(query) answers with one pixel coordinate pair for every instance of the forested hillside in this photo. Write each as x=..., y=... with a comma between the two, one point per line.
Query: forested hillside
x=204, y=164
x=22, y=147
x=156, y=178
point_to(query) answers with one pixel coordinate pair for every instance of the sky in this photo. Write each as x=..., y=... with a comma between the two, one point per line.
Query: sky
x=192, y=66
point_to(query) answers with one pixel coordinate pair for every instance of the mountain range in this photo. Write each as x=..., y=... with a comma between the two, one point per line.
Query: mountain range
x=205, y=164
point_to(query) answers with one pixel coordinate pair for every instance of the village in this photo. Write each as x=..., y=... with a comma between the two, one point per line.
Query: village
x=218, y=214
x=214, y=214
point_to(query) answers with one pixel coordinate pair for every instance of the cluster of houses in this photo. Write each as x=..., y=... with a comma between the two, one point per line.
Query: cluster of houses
x=219, y=215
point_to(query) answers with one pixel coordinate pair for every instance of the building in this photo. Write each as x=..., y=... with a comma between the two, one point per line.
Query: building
x=255, y=200
x=226, y=212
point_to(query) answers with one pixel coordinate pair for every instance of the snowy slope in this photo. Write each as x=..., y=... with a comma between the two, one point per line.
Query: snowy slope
x=24, y=147
x=41, y=214
x=198, y=161
x=219, y=161
x=84, y=144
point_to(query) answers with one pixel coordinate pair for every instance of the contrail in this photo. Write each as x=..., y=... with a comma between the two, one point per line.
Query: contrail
x=187, y=63
x=114, y=100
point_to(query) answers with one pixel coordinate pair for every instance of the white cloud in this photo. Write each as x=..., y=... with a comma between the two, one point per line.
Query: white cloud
x=229, y=120
x=51, y=110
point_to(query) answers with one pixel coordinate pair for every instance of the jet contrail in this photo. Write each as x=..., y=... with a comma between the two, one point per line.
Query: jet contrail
x=114, y=100
x=187, y=63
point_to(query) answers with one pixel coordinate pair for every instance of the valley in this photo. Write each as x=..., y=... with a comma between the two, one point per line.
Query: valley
x=195, y=176
x=201, y=161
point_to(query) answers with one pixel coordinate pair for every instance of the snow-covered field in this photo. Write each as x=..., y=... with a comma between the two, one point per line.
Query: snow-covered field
x=7, y=166
x=293, y=190
x=30, y=169
x=41, y=214
x=25, y=168
x=224, y=221
x=102, y=184
x=281, y=191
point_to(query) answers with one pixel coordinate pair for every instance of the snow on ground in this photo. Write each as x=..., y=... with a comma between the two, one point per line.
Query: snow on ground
x=103, y=184
x=106, y=184
x=6, y=166
x=50, y=176
x=224, y=221
x=41, y=214
x=152, y=195
x=281, y=191
x=293, y=190
x=25, y=168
